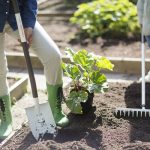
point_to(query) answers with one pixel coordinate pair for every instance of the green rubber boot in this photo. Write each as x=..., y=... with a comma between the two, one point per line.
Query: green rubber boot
x=5, y=117
x=55, y=96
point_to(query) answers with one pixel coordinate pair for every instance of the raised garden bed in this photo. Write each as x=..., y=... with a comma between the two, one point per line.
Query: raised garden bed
x=11, y=81
x=122, y=65
x=63, y=33
x=99, y=129
x=17, y=86
x=66, y=32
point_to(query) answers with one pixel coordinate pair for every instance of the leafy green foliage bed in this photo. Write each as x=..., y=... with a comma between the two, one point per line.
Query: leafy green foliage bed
x=107, y=17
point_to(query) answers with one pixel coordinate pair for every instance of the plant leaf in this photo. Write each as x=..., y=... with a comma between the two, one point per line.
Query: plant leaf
x=98, y=88
x=71, y=71
x=70, y=53
x=83, y=58
x=98, y=78
x=103, y=63
x=74, y=99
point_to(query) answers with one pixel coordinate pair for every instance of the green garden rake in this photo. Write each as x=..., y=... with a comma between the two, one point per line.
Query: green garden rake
x=137, y=112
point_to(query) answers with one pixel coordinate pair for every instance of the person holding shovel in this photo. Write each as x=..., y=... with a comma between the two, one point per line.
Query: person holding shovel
x=143, y=8
x=43, y=46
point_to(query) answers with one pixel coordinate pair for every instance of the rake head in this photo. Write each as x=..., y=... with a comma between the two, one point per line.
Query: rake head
x=132, y=112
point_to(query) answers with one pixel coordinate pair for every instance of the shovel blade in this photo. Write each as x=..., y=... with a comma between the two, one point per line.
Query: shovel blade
x=41, y=121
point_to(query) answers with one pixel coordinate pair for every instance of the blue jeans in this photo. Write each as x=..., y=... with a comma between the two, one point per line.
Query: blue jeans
x=148, y=40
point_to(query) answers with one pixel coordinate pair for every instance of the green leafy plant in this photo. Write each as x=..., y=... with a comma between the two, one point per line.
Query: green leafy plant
x=116, y=18
x=85, y=70
x=75, y=2
x=133, y=1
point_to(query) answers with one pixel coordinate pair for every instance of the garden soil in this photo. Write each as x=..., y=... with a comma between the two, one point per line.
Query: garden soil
x=99, y=129
x=11, y=81
x=63, y=33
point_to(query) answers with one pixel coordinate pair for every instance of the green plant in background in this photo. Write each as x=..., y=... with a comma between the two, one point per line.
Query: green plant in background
x=115, y=18
x=85, y=71
x=76, y=2
x=133, y=1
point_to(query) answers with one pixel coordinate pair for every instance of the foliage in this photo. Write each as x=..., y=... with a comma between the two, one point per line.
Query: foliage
x=133, y=1
x=86, y=72
x=75, y=2
x=107, y=17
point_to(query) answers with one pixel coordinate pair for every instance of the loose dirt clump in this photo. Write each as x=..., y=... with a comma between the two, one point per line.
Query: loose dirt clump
x=99, y=129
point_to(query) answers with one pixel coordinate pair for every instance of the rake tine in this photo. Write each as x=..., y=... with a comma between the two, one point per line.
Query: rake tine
x=124, y=112
x=132, y=113
x=141, y=113
x=128, y=113
x=136, y=113
x=115, y=112
x=120, y=112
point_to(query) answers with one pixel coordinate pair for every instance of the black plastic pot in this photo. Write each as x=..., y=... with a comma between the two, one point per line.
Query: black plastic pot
x=87, y=106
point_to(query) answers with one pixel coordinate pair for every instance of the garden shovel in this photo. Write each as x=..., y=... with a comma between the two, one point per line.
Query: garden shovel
x=40, y=116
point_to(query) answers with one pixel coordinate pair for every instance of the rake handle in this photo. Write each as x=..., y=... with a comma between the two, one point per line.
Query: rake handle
x=143, y=69
x=25, y=47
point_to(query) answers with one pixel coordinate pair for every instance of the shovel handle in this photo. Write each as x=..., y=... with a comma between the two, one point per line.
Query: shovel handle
x=25, y=47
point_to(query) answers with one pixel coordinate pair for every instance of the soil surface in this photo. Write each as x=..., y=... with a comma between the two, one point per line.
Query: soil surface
x=11, y=81
x=63, y=33
x=100, y=129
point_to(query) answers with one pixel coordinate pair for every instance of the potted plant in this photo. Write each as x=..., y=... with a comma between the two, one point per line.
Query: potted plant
x=85, y=70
